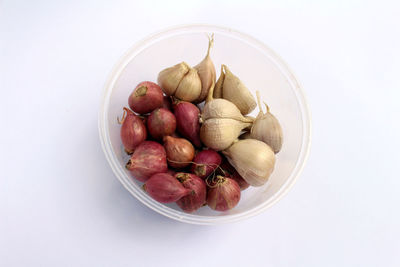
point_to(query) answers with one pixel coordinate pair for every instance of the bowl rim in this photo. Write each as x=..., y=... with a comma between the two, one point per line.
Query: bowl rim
x=169, y=212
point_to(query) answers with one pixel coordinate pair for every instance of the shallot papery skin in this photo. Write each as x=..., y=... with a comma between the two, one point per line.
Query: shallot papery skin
x=160, y=123
x=197, y=197
x=167, y=102
x=146, y=97
x=148, y=158
x=171, y=172
x=205, y=162
x=180, y=151
x=224, y=194
x=133, y=131
x=165, y=188
x=187, y=121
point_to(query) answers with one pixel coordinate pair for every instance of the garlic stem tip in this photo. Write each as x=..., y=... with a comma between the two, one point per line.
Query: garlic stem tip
x=267, y=107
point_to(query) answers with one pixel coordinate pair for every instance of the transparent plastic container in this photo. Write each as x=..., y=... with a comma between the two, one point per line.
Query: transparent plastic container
x=256, y=65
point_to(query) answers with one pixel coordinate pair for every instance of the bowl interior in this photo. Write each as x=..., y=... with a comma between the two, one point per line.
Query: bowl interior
x=255, y=64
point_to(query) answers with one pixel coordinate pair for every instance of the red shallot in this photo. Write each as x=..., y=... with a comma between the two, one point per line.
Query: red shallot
x=160, y=123
x=165, y=188
x=146, y=97
x=180, y=151
x=197, y=197
x=148, y=158
x=223, y=194
x=133, y=131
x=187, y=121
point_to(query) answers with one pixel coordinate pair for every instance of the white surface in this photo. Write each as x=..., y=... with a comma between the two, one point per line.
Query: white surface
x=60, y=204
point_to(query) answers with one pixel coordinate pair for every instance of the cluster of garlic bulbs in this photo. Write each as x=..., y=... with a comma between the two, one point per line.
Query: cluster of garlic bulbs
x=223, y=118
x=187, y=83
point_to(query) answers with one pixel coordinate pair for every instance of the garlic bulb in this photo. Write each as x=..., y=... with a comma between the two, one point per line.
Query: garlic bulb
x=267, y=129
x=169, y=78
x=252, y=159
x=206, y=71
x=221, y=108
x=231, y=88
x=181, y=81
x=190, y=87
x=219, y=133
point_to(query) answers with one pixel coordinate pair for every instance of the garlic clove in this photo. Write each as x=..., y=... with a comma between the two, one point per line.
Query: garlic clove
x=206, y=71
x=235, y=91
x=222, y=108
x=219, y=133
x=218, y=86
x=267, y=128
x=169, y=78
x=253, y=160
x=190, y=86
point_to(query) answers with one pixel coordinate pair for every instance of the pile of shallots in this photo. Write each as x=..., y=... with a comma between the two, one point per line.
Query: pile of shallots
x=198, y=157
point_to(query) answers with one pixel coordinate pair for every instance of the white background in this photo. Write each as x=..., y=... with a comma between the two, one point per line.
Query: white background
x=60, y=204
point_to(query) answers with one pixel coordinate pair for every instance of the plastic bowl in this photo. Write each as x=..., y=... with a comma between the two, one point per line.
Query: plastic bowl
x=256, y=65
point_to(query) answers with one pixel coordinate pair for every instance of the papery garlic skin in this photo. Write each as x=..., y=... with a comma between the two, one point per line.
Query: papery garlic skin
x=235, y=91
x=222, y=108
x=190, y=86
x=267, y=128
x=169, y=78
x=253, y=160
x=206, y=71
x=219, y=133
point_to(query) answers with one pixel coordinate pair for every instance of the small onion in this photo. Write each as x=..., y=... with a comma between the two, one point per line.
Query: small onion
x=148, y=158
x=223, y=194
x=146, y=97
x=187, y=121
x=180, y=151
x=197, y=198
x=165, y=188
x=133, y=131
x=160, y=123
